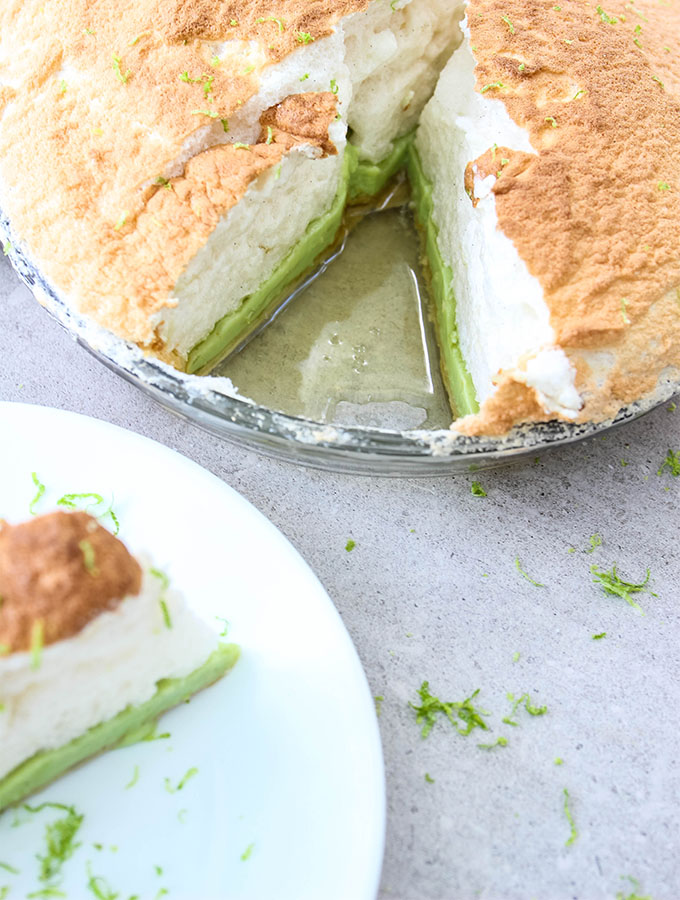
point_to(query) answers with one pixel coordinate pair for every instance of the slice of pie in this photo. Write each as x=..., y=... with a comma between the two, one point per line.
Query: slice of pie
x=551, y=203
x=191, y=159
x=94, y=647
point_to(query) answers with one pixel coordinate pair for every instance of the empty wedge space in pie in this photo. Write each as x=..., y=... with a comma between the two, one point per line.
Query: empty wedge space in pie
x=171, y=170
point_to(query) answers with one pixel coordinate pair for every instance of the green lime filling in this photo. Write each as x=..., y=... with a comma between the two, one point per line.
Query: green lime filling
x=454, y=371
x=130, y=725
x=367, y=179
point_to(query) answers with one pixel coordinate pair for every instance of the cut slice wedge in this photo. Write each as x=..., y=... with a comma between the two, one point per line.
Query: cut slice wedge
x=131, y=724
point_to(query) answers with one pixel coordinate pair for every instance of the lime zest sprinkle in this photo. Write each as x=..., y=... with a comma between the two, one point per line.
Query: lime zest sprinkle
x=659, y=81
x=187, y=776
x=595, y=542
x=611, y=583
x=40, y=491
x=509, y=24
x=634, y=895
x=205, y=112
x=664, y=186
x=334, y=86
x=121, y=221
x=135, y=778
x=524, y=574
x=6, y=248
x=60, y=839
x=136, y=40
x=304, y=77
x=609, y=20
x=528, y=706
x=99, y=886
x=495, y=85
x=247, y=852
x=71, y=501
x=477, y=490
x=303, y=37
x=37, y=643
x=270, y=135
x=456, y=712
x=225, y=624
x=671, y=462
x=239, y=146
x=552, y=120
x=279, y=22
x=378, y=700
x=598, y=637
x=162, y=577
x=515, y=656
x=573, y=831
x=166, y=613
x=624, y=314
x=10, y=869
x=429, y=778
x=123, y=77
x=165, y=584
x=89, y=557
x=558, y=761
x=499, y=742
x=350, y=545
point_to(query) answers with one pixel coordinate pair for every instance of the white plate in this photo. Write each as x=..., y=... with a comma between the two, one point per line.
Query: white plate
x=287, y=745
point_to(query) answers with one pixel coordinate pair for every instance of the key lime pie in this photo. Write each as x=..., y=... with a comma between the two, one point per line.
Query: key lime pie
x=94, y=646
x=173, y=171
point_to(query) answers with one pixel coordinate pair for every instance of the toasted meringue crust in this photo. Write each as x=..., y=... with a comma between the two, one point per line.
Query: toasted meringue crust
x=595, y=213
x=93, y=111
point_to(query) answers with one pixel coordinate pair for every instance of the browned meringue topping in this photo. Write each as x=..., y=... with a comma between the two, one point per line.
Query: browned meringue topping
x=61, y=570
x=595, y=213
x=97, y=101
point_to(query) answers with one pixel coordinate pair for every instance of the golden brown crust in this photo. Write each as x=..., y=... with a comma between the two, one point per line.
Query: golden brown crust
x=61, y=570
x=595, y=214
x=98, y=100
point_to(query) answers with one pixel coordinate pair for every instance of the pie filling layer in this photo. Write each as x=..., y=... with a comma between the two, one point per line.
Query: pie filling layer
x=457, y=379
x=129, y=725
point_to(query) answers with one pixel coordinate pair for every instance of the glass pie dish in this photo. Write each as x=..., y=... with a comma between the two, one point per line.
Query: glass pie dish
x=344, y=377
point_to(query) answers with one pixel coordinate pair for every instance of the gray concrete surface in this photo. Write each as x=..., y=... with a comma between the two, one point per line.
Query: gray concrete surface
x=431, y=592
